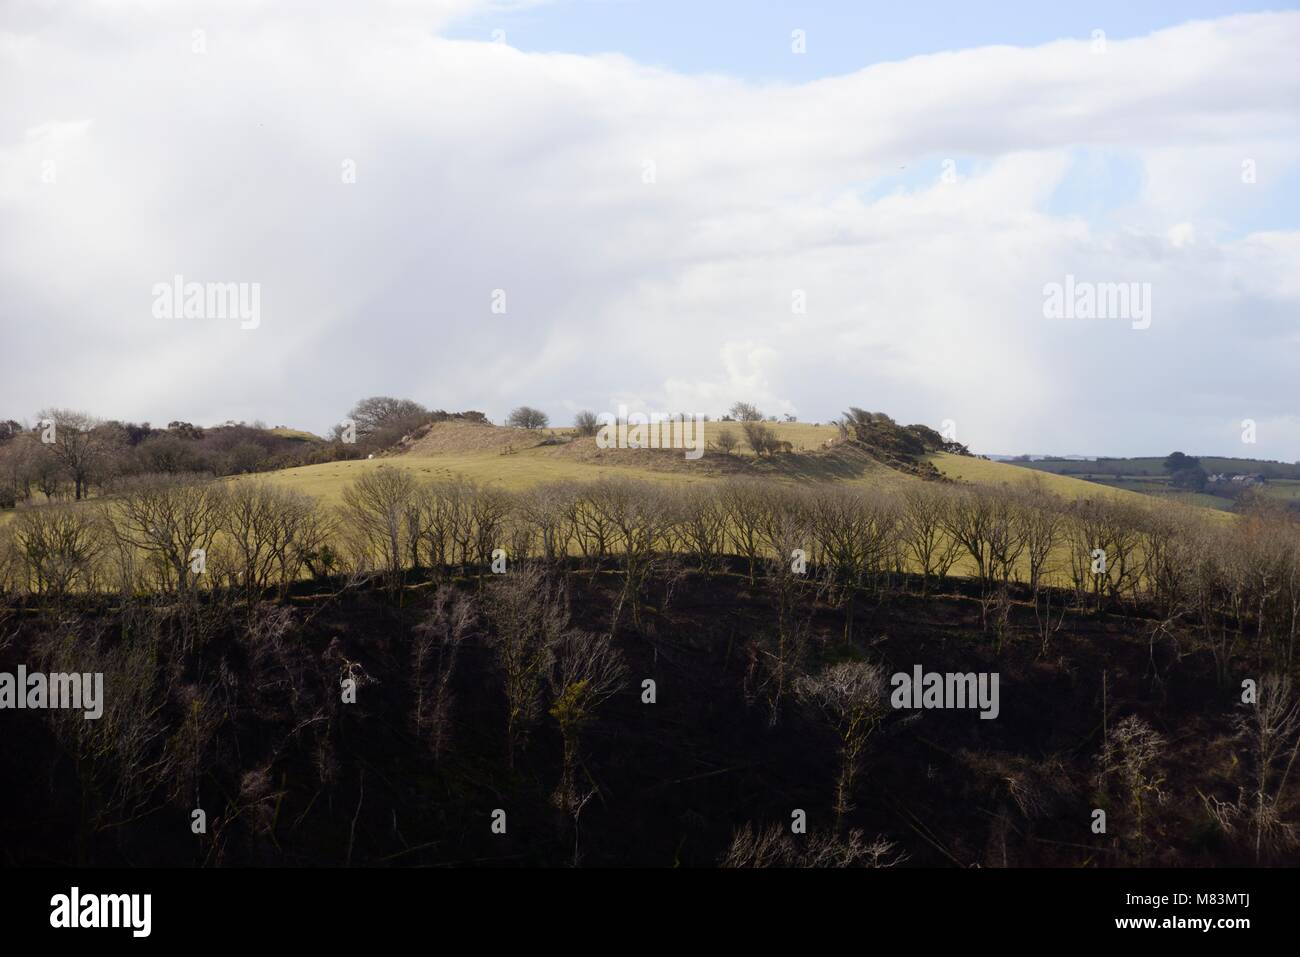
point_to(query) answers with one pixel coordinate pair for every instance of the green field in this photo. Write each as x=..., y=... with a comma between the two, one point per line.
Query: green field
x=1153, y=466
x=1148, y=477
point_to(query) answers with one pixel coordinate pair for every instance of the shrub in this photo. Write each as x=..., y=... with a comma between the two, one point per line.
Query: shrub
x=760, y=438
x=526, y=417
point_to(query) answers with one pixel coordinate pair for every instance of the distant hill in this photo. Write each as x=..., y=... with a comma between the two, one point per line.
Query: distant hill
x=1154, y=466
x=888, y=454
x=1147, y=475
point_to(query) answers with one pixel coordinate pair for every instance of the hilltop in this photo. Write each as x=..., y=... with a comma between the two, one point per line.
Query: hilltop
x=515, y=459
x=381, y=432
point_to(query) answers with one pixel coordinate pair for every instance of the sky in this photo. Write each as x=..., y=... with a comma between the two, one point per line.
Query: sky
x=672, y=206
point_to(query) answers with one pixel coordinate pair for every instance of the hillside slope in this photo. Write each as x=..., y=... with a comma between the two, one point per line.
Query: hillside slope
x=518, y=459
x=960, y=468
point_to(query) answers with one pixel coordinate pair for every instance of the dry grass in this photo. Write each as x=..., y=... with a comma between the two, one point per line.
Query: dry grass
x=515, y=459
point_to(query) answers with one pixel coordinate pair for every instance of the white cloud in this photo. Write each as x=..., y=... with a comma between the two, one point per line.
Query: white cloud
x=481, y=167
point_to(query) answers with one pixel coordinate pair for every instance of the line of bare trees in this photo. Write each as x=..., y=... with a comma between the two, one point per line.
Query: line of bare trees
x=168, y=535
x=1231, y=583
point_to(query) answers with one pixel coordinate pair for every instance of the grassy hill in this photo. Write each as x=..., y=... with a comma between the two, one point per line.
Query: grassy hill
x=961, y=468
x=517, y=459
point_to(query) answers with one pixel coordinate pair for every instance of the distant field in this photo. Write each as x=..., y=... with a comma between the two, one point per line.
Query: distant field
x=1154, y=467
x=980, y=470
x=1283, y=489
x=1149, y=478
x=1160, y=488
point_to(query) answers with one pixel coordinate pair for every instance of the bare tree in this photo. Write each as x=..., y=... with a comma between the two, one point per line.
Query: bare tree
x=586, y=423
x=172, y=521
x=968, y=520
x=1128, y=765
x=440, y=524
x=643, y=519
x=121, y=757
x=1104, y=549
x=850, y=696
x=586, y=672
x=545, y=510
x=273, y=532
x=1008, y=534
x=59, y=545
x=490, y=509
x=529, y=615
x=1271, y=729
x=434, y=653
x=1274, y=733
x=375, y=518
x=1042, y=517
x=80, y=445
x=592, y=525
x=857, y=534
x=927, y=545
x=18, y=458
x=777, y=653
x=526, y=417
x=702, y=529
x=744, y=505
